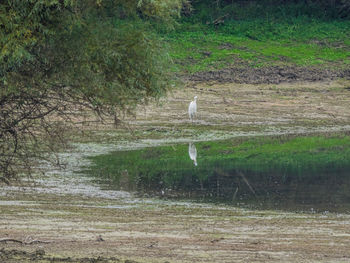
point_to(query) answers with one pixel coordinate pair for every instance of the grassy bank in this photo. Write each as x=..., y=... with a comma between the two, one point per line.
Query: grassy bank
x=260, y=42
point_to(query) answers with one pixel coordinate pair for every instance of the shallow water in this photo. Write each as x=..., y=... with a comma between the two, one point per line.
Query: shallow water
x=313, y=176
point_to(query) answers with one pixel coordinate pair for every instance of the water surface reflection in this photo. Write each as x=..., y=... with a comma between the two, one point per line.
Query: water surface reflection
x=309, y=174
x=192, y=152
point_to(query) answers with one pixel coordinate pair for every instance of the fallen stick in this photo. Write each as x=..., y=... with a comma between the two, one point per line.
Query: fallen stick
x=35, y=241
x=11, y=240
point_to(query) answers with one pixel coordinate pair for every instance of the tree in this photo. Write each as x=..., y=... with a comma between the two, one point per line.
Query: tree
x=344, y=8
x=58, y=56
x=214, y=9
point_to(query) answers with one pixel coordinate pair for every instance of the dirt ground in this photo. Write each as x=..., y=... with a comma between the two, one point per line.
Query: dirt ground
x=265, y=108
x=77, y=227
x=169, y=232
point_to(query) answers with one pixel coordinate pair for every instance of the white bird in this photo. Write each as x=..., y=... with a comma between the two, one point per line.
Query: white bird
x=192, y=151
x=192, y=109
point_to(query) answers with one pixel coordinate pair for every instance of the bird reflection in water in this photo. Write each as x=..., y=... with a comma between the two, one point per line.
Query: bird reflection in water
x=192, y=152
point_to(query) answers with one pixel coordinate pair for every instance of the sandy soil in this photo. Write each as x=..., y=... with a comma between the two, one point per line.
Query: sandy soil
x=83, y=227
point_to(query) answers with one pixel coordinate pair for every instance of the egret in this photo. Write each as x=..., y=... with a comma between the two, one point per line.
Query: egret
x=192, y=109
x=192, y=152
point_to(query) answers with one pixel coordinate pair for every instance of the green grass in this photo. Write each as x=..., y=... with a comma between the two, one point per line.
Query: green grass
x=281, y=157
x=260, y=42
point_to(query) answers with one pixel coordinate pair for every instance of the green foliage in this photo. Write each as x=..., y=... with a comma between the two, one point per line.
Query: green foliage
x=104, y=48
x=60, y=56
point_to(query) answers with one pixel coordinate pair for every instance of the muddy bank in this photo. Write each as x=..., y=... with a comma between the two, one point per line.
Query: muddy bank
x=106, y=230
x=39, y=255
x=72, y=213
x=243, y=73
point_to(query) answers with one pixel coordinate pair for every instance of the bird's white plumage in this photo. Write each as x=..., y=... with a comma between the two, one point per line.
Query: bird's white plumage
x=192, y=108
x=192, y=152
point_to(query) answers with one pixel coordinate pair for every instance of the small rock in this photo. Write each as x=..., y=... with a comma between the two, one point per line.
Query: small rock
x=99, y=238
x=206, y=53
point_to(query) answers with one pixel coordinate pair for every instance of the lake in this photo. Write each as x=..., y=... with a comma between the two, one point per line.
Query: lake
x=310, y=173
